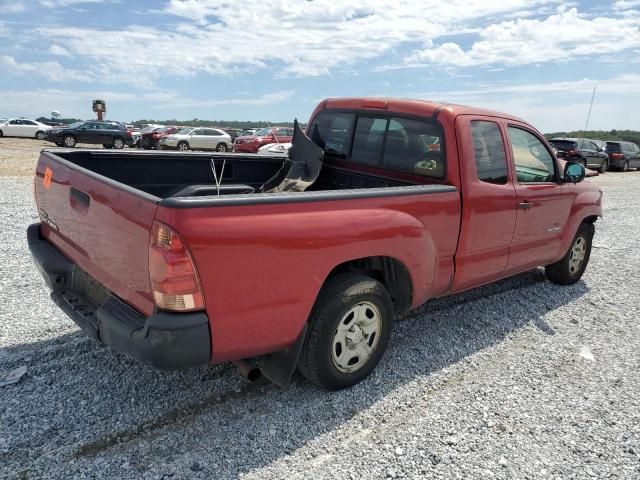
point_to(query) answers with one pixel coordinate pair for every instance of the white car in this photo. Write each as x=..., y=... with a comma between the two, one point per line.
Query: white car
x=198, y=139
x=275, y=148
x=21, y=127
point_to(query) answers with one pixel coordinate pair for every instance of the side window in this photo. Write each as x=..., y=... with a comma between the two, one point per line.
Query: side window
x=332, y=132
x=29, y=122
x=210, y=132
x=533, y=163
x=369, y=140
x=15, y=122
x=413, y=146
x=198, y=132
x=488, y=150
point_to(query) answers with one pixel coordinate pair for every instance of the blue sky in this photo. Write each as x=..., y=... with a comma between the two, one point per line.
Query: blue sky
x=275, y=59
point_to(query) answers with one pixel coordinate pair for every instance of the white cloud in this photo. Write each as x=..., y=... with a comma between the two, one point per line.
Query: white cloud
x=58, y=50
x=560, y=37
x=289, y=37
x=48, y=70
x=12, y=7
x=626, y=4
x=557, y=106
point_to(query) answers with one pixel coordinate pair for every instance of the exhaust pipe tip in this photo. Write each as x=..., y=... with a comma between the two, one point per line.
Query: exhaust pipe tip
x=248, y=370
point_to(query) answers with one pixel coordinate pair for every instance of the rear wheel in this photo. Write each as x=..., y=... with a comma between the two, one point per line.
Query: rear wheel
x=69, y=141
x=604, y=166
x=40, y=135
x=349, y=330
x=118, y=143
x=570, y=268
x=183, y=146
x=221, y=147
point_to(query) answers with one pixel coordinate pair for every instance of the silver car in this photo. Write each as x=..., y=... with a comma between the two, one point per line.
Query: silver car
x=198, y=139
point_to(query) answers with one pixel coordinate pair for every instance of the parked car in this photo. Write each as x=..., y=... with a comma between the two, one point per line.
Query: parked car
x=623, y=155
x=275, y=148
x=107, y=134
x=151, y=139
x=278, y=263
x=582, y=150
x=22, y=127
x=233, y=133
x=251, y=143
x=249, y=132
x=198, y=139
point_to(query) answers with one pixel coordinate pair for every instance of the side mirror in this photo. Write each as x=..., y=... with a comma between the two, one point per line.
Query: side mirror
x=574, y=172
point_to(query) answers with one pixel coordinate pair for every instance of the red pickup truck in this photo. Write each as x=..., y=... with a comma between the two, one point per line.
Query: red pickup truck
x=183, y=259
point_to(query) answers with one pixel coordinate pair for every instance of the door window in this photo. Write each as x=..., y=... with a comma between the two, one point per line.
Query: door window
x=15, y=122
x=533, y=162
x=199, y=132
x=488, y=150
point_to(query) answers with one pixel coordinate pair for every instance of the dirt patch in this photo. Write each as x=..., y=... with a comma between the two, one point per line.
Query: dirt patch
x=19, y=156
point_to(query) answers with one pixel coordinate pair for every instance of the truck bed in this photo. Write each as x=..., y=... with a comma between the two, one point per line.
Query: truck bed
x=169, y=174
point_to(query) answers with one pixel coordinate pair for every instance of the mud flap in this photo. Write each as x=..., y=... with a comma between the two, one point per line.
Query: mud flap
x=278, y=367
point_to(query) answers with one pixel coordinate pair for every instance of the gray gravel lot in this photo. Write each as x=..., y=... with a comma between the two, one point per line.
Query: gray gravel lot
x=521, y=379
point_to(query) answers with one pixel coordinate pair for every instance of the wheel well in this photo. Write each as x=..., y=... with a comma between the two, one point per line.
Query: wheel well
x=590, y=220
x=392, y=273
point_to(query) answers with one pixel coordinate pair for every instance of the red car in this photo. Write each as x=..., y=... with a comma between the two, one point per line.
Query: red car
x=281, y=263
x=264, y=136
x=151, y=139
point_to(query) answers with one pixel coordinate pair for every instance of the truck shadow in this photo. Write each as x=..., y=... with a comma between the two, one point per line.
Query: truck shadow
x=134, y=409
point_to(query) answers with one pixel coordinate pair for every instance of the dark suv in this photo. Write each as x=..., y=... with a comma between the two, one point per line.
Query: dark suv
x=581, y=150
x=107, y=134
x=623, y=155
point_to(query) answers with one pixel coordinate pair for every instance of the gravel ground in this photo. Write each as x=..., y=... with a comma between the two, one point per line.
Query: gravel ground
x=19, y=156
x=521, y=379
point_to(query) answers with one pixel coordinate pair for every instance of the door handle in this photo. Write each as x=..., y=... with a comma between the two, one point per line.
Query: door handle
x=525, y=205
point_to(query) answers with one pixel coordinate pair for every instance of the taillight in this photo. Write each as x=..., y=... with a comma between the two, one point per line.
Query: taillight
x=616, y=156
x=174, y=280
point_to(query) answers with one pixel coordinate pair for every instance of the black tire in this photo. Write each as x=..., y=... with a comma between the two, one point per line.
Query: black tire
x=69, y=141
x=221, y=147
x=106, y=145
x=118, y=143
x=340, y=295
x=1, y=134
x=182, y=146
x=60, y=144
x=604, y=166
x=40, y=135
x=563, y=272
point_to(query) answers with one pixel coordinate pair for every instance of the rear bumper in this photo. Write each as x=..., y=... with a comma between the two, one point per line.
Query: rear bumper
x=617, y=163
x=169, y=341
x=245, y=147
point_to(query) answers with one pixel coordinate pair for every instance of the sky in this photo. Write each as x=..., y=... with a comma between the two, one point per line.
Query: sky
x=276, y=59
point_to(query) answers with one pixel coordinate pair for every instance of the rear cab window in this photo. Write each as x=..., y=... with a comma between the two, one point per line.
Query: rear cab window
x=613, y=147
x=391, y=142
x=489, y=153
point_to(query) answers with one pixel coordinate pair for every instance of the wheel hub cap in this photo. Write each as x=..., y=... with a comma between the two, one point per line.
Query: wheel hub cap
x=356, y=338
x=576, y=257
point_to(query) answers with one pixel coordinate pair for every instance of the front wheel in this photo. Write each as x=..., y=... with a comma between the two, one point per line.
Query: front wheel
x=570, y=268
x=604, y=166
x=69, y=141
x=118, y=143
x=349, y=330
x=183, y=146
x=221, y=147
x=40, y=135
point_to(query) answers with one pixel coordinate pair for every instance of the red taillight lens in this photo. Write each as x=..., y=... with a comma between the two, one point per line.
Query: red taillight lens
x=173, y=276
x=616, y=156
